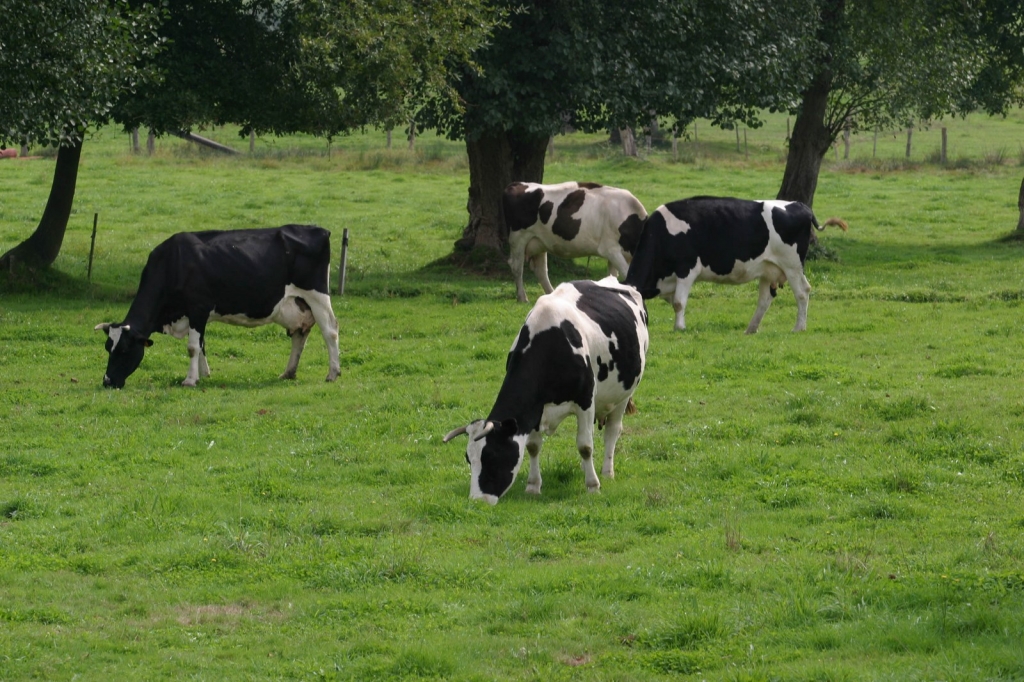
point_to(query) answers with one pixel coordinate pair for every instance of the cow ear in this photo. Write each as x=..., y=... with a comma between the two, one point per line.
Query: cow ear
x=508, y=428
x=147, y=342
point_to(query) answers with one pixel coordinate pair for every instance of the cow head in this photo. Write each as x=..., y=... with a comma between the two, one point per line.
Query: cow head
x=494, y=454
x=126, y=349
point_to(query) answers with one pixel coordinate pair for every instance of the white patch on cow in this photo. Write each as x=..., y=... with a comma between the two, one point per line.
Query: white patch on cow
x=178, y=329
x=673, y=224
x=115, y=336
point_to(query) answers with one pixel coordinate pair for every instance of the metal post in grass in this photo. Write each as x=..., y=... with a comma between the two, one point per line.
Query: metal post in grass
x=344, y=263
x=942, y=154
x=874, y=145
x=92, y=244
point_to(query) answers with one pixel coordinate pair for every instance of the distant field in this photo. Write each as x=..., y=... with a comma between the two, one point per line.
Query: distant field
x=842, y=504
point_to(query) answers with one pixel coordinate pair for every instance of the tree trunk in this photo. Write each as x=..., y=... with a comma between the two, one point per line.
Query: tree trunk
x=42, y=247
x=808, y=145
x=1020, y=206
x=496, y=159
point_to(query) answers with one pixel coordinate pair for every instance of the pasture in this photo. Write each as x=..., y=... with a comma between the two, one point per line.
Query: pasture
x=841, y=504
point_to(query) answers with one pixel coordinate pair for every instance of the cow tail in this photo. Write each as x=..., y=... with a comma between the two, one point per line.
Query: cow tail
x=831, y=221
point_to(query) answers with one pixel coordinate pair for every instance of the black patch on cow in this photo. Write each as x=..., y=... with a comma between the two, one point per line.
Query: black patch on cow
x=545, y=211
x=612, y=309
x=793, y=222
x=589, y=185
x=722, y=231
x=521, y=206
x=301, y=304
x=629, y=233
x=565, y=225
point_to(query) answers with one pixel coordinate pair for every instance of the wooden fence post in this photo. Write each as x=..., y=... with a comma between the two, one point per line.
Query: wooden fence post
x=737, y=127
x=252, y=142
x=342, y=270
x=135, y=140
x=675, y=145
x=388, y=144
x=746, y=152
x=874, y=145
x=696, y=142
x=942, y=154
x=92, y=244
x=846, y=142
x=150, y=143
x=412, y=134
x=787, y=129
x=910, y=134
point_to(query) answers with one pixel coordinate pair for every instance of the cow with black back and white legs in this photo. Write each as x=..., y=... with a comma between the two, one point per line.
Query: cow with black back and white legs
x=726, y=240
x=570, y=220
x=245, y=277
x=581, y=352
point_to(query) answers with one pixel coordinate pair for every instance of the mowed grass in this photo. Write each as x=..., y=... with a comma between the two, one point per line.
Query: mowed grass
x=842, y=504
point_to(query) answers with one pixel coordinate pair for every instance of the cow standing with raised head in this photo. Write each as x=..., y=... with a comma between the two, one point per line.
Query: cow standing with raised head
x=571, y=220
x=581, y=351
x=243, y=277
x=726, y=240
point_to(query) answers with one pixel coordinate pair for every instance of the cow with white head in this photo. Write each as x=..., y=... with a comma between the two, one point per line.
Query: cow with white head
x=581, y=351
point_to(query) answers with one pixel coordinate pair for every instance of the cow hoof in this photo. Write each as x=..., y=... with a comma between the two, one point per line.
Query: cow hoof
x=189, y=382
x=751, y=330
x=287, y=375
x=532, y=489
x=331, y=376
x=594, y=488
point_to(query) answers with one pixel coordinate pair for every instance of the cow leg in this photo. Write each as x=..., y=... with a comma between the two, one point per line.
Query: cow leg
x=539, y=263
x=533, y=444
x=802, y=293
x=195, y=355
x=617, y=264
x=764, y=299
x=612, y=429
x=681, y=296
x=585, y=446
x=320, y=305
x=516, y=260
x=299, y=337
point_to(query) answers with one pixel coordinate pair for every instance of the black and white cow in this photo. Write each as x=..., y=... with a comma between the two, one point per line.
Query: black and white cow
x=581, y=351
x=726, y=240
x=572, y=219
x=244, y=277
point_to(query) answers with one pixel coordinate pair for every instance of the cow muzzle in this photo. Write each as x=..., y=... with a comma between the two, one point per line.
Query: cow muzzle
x=108, y=383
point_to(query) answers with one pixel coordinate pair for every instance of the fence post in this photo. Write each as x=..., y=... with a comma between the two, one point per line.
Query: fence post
x=910, y=134
x=252, y=142
x=787, y=129
x=737, y=127
x=388, y=145
x=412, y=134
x=675, y=145
x=92, y=244
x=150, y=143
x=344, y=263
x=746, y=152
x=874, y=145
x=942, y=154
x=846, y=142
x=135, y=140
x=696, y=142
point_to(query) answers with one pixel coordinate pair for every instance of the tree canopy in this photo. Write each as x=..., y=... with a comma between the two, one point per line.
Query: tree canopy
x=63, y=64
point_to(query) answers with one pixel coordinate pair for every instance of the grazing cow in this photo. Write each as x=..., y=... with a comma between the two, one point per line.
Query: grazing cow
x=725, y=240
x=243, y=277
x=572, y=219
x=581, y=351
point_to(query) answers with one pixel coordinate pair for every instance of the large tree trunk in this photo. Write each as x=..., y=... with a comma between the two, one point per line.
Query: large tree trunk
x=807, y=145
x=42, y=247
x=496, y=159
x=1020, y=207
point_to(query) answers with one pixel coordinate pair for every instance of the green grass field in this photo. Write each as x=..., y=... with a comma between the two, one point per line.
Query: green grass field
x=842, y=504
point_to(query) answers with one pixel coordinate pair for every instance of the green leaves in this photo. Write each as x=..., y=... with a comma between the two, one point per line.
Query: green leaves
x=63, y=63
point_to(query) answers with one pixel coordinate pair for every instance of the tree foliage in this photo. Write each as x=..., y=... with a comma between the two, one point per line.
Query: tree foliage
x=316, y=66
x=63, y=64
